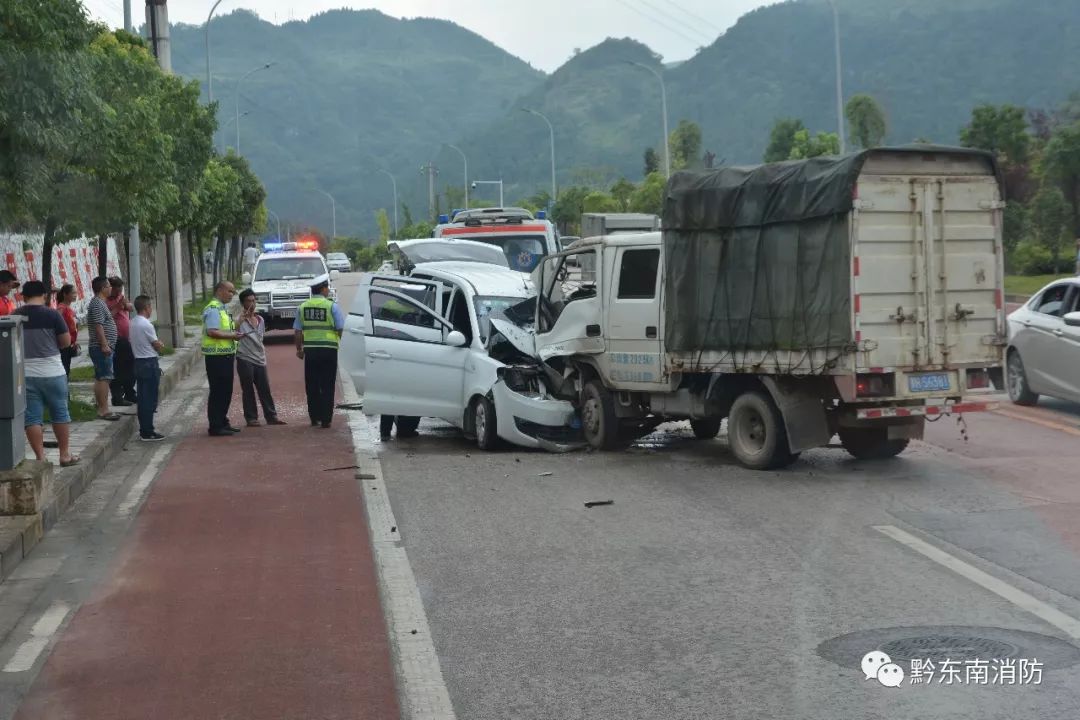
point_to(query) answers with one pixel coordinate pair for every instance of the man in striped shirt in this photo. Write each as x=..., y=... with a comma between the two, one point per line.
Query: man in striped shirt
x=103, y=335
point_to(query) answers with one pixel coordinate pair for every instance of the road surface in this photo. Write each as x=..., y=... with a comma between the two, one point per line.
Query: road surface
x=704, y=591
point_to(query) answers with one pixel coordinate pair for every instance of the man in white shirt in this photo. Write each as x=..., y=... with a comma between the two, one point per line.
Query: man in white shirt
x=146, y=347
x=251, y=254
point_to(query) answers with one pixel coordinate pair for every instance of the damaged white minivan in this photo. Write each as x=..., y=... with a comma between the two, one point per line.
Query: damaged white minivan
x=423, y=344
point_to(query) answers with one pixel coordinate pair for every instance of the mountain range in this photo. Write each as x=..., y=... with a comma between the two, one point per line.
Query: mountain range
x=351, y=93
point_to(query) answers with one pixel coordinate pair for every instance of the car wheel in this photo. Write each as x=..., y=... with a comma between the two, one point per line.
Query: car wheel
x=756, y=432
x=871, y=443
x=1019, y=390
x=484, y=424
x=706, y=428
x=598, y=419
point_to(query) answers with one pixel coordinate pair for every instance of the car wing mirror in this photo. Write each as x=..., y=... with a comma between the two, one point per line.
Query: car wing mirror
x=1072, y=319
x=455, y=339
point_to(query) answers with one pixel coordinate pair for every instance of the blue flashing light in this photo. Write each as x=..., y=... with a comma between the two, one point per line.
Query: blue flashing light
x=272, y=246
x=444, y=218
x=541, y=215
x=454, y=212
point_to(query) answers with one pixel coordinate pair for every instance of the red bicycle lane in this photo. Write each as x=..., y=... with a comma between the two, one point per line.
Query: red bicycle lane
x=245, y=589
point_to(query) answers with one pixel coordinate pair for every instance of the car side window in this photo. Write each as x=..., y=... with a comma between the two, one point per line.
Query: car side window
x=1052, y=301
x=390, y=308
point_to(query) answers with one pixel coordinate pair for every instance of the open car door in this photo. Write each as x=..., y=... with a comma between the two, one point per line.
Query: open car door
x=415, y=360
x=353, y=345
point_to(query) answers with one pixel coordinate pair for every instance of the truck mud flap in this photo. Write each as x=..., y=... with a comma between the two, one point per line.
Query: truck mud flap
x=804, y=416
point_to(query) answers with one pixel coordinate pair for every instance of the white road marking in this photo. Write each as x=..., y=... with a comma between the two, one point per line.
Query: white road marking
x=43, y=630
x=422, y=693
x=1019, y=598
x=145, y=478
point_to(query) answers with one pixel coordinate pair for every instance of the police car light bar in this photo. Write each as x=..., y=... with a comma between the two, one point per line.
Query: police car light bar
x=307, y=245
x=271, y=246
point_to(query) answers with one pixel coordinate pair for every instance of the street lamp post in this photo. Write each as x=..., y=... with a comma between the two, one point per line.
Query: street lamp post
x=231, y=120
x=209, y=77
x=551, y=129
x=663, y=101
x=243, y=77
x=275, y=216
x=393, y=181
x=464, y=161
x=333, y=212
x=492, y=182
x=839, y=78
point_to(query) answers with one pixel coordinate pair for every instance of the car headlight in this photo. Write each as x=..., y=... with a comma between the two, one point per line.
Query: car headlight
x=262, y=298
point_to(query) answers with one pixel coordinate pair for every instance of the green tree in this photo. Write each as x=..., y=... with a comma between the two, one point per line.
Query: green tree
x=1049, y=222
x=866, y=121
x=1061, y=164
x=649, y=196
x=600, y=202
x=806, y=146
x=568, y=209
x=782, y=139
x=652, y=162
x=685, y=145
x=621, y=191
x=1003, y=130
x=383, y=220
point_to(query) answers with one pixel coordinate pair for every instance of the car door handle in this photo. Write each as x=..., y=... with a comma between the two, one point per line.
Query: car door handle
x=379, y=355
x=650, y=331
x=1059, y=333
x=356, y=331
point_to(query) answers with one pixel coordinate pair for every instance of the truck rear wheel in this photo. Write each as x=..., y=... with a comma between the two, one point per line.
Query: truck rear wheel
x=598, y=419
x=756, y=432
x=871, y=443
x=706, y=428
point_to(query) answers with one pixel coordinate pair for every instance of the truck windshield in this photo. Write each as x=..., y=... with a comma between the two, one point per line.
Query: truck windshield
x=289, y=269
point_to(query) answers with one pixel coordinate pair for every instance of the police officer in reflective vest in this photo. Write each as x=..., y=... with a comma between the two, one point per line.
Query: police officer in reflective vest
x=317, y=331
x=219, y=350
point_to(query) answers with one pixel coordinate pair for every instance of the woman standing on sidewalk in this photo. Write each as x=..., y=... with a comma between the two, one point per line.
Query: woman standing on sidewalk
x=64, y=298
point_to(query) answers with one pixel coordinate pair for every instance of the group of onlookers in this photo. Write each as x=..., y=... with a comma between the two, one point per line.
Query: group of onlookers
x=124, y=350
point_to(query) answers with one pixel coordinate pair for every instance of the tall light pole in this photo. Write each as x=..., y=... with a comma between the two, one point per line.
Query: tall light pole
x=393, y=181
x=551, y=129
x=663, y=101
x=243, y=77
x=492, y=182
x=231, y=120
x=209, y=77
x=464, y=161
x=839, y=78
x=275, y=216
x=333, y=212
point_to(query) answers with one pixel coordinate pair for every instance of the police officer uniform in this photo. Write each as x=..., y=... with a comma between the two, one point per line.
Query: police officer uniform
x=317, y=330
x=219, y=354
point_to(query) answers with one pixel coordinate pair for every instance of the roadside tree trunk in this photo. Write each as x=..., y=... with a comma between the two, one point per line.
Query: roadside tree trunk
x=103, y=255
x=46, y=257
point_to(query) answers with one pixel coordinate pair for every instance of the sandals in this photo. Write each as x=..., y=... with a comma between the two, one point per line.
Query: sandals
x=111, y=417
x=73, y=461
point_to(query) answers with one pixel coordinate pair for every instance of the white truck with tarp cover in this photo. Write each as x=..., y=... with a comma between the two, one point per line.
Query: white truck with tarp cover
x=853, y=295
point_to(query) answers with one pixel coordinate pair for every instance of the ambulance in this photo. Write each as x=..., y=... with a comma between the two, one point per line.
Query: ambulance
x=523, y=237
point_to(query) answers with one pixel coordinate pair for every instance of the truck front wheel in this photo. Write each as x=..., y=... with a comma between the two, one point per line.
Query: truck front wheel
x=706, y=428
x=756, y=432
x=871, y=443
x=598, y=419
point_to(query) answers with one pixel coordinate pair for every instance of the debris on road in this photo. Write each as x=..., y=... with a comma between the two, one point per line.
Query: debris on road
x=350, y=406
x=343, y=467
x=595, y=503
x=545, y=474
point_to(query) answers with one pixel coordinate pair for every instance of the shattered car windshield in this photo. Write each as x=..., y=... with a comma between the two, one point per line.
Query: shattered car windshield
x=289, y=269
x=486, y=305
x=444, y=251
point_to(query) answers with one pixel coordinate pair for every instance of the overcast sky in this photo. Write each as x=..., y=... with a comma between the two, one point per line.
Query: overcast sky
x=543, y=33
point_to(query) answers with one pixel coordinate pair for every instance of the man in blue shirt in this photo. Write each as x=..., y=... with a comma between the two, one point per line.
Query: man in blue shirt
x=317, y=334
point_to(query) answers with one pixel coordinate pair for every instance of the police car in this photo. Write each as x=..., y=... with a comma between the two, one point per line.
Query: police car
x=282, y=280
x=523, y=237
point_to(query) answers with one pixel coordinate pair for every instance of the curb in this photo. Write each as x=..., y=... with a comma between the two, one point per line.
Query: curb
x=19, y=534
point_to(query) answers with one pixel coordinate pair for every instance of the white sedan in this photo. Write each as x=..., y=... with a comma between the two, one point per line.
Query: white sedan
x=1043, y=357
x=423, y=345
x=338, y=261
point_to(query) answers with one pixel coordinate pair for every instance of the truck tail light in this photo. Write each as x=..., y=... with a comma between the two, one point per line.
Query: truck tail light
x=875, y=385
x=978, y=379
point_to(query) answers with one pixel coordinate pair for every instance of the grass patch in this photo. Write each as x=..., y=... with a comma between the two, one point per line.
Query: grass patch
x=82, y=374
x=166, y=351
x=1028, y=285
x=81, y=411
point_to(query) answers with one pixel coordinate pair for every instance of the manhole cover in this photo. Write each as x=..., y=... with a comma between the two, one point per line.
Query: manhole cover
x=961, y=643
x=948, y=647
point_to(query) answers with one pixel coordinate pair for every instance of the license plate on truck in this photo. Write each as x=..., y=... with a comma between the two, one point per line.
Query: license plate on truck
x=930, y=382
x=287, y=313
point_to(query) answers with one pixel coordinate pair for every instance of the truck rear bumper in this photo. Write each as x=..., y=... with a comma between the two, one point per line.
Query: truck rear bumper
x=875, y=413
